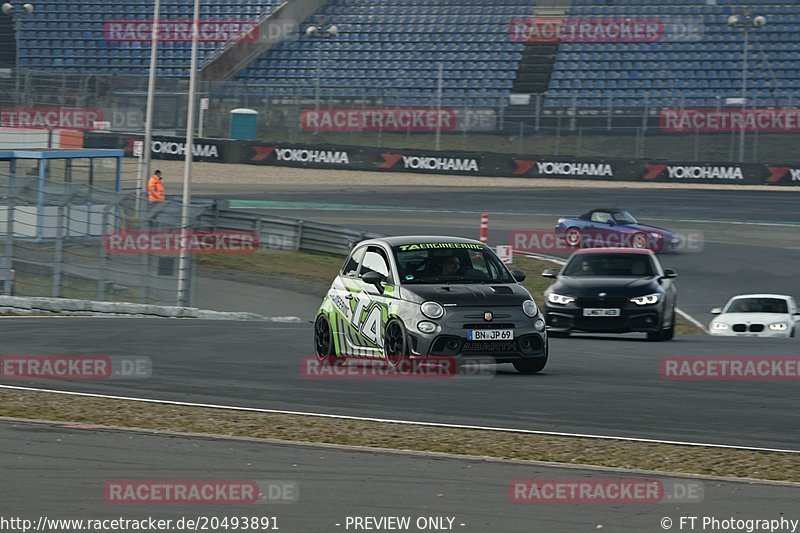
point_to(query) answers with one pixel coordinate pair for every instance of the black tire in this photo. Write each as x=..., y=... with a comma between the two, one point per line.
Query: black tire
x=323, y=342
x=574, y=237
x=533, y=366
x=669, y=334
x=395, y=344
x=661, y=334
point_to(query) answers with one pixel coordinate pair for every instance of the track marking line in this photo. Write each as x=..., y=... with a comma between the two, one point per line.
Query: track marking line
x=403, y=422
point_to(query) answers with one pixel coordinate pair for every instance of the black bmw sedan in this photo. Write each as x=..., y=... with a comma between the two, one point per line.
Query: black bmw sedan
x=612, y=290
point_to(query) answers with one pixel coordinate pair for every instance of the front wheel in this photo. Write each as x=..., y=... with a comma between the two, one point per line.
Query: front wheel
x=640, y=241
x=669, y=334
x=395, y=346
x=323, y=342
x=574, y=237
x=533, y=366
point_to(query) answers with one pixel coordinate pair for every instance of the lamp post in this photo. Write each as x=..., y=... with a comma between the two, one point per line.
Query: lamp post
x=8, y=8
x=320, y=32
x=144, y=171
x=183, y=261
x=745, y=21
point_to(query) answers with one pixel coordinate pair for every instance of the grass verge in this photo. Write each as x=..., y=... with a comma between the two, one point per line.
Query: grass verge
x=665, y=458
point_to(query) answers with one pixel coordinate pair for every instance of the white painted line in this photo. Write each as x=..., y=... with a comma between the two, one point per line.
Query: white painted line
x=559, y=261
x=402, y=422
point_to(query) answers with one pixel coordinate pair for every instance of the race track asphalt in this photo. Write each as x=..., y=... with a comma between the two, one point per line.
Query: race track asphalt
x=60, y=472
x=596, y=385
x=750, y=238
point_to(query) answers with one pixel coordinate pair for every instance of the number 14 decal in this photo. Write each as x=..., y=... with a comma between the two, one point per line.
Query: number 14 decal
x=367, y=318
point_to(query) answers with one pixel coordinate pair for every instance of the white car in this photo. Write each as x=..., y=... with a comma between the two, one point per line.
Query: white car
x=756, y=315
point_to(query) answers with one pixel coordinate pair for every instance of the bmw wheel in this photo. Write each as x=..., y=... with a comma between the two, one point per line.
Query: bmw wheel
x=395, y=346
x=323, y=342
x=669, y=334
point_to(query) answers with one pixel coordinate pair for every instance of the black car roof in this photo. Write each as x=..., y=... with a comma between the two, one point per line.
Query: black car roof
x=603, y=210
x=420, y=239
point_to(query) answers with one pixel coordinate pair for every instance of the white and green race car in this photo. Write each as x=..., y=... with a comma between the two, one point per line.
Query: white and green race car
x=423, y=298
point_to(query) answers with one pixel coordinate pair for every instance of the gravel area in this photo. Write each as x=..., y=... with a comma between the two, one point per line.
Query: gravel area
x=665, y=458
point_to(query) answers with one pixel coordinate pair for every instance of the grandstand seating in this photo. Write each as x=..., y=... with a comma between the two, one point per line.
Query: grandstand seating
x=392, y=49
x=68, y=35
x=700, y=73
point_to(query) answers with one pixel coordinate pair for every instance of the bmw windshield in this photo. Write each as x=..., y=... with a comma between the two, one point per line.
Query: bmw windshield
x=449, y=263
x=609, y=265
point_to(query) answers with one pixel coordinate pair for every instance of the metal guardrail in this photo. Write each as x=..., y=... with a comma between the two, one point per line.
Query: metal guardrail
x=279, y=233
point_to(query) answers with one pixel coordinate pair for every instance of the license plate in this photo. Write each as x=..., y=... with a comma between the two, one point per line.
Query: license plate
x=490, y=334
x=601, y=312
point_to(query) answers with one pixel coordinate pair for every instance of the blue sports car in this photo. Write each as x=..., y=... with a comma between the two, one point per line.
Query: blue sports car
x=615, y=228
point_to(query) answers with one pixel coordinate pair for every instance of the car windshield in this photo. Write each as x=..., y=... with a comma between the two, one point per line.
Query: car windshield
x=623, y=217
x=449, y=263
x=586, y=265
x=758, y=305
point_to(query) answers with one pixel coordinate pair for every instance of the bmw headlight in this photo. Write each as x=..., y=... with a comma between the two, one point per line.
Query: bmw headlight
x=432, y=310
x=560, y=299
x=779, y=326
x=650, y=299
x=529, y=308
x=720, y=326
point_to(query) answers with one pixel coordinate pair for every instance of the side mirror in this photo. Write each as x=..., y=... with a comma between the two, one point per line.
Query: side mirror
x=374, y=278
x=550, y=273
x=519, y=275
x=716, y=311
x=669, y=274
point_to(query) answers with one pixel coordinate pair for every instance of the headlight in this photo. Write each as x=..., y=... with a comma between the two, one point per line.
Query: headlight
x=529, y=308
x=426, y=327
x=778, y=326
x=432, y=310
x=539, y=325
x=554, y=298
x=650, y=299
x=720, y=326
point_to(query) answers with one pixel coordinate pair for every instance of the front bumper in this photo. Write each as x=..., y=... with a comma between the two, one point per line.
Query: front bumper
x=767, y=333
x=631, y=319
x=450, y=340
